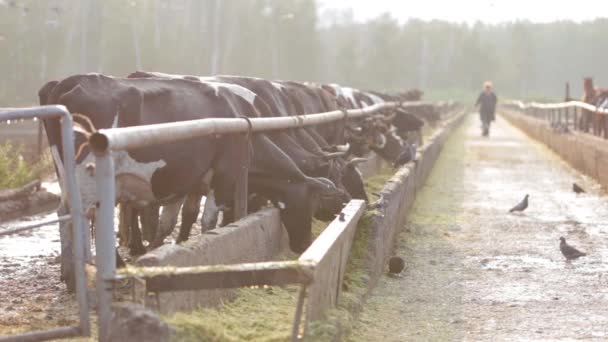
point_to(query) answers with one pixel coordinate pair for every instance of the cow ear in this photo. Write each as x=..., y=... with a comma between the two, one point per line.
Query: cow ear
x=129, y=107
x=45, y=91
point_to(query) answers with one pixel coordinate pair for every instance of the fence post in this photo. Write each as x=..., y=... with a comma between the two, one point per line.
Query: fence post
x=80, y=231
x=39, y=141
x=105, y=240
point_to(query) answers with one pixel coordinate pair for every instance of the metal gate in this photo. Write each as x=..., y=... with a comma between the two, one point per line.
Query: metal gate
x=80, y=231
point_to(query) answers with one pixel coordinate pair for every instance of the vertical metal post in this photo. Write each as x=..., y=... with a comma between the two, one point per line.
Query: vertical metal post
x=295, y=330
x=567, y=109
x=39, y=142
x=242, y=186
x=105, y=240
x=79, y=228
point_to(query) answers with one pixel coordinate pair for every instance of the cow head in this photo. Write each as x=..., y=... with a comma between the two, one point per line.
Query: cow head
x=353, y=180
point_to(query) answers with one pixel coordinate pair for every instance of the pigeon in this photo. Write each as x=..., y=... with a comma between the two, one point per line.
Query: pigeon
x=408, y=154
x=342, y=218
x=577, y=189
x=568, y=251
x=521, y=206
x=396, y=265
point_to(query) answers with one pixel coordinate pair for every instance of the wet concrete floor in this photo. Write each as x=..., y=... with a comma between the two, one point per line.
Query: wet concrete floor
x=474, y=272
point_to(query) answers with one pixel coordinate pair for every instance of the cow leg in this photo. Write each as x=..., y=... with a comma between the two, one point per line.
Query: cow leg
x=67, y=260
x=210, y=213
x=125, y=220
x=227, y=217
x=136, y=246
x=149, y=221
x=120, y=263
x=190, y=212
x=167, y=221
x=594, y=123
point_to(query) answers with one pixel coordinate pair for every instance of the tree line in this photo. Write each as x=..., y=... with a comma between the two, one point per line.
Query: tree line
x=290, y=39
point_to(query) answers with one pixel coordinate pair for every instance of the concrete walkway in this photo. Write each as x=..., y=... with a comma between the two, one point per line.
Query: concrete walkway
x=477, y=273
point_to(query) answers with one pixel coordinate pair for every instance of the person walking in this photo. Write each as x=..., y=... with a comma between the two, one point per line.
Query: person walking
x=487, y=107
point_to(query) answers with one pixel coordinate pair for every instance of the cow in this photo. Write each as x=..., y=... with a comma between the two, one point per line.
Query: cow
x=589, y=96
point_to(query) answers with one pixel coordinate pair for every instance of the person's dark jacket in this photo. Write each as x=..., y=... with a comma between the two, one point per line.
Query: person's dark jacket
x=487, y=103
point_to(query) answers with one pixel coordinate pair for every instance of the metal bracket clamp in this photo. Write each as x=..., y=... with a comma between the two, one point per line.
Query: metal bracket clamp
x=344, y=112
x=249, y=124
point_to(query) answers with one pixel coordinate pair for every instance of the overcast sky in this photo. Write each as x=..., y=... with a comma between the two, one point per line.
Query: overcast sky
x=490, y=11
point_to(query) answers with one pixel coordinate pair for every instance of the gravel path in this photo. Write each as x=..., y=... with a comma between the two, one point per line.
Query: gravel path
x=477, y=273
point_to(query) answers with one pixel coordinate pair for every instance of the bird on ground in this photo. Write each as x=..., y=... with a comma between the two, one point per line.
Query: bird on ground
x=577, y=189
x=408, y=154
x=568, y=251
x=521, y=206
x=396, y=264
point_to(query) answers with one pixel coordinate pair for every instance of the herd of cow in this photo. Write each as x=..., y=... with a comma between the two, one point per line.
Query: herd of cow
x=305, y=172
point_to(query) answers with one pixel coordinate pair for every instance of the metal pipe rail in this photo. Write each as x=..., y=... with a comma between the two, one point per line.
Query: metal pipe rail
x=35, y=225
x=79, y=230
x=563, y=115
x=559, y=105
x=117, y=139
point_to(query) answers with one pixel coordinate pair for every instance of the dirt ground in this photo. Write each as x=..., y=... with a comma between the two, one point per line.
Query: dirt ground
x=477, y=273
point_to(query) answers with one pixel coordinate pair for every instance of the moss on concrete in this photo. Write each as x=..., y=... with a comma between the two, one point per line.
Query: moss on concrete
x=355, y=286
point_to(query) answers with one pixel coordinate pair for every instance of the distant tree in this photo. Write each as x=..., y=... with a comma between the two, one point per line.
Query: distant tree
x=288, y=39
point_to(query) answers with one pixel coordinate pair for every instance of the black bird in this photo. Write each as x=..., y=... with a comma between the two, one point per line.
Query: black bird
x=408, y=154
x=577, y=189
x=396, y=265
x=521, y=206
x=568, y=251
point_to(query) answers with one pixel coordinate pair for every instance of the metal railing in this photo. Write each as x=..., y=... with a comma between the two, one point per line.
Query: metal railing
x=105, y=141
x=568, y=115
x=79, y=228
